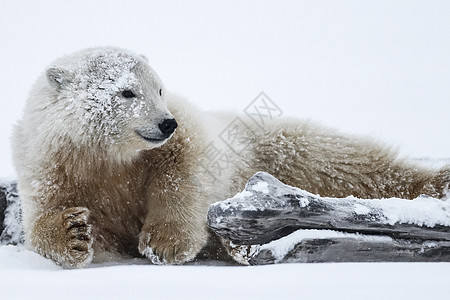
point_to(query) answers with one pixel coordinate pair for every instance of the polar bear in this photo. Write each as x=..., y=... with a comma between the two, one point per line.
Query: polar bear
x=109, y=164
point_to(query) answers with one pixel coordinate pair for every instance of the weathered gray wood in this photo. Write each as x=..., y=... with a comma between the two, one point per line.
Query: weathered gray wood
x=356, y=250
x=268, y=210
x=3, y=206
x=10, y=215
x=268, y=223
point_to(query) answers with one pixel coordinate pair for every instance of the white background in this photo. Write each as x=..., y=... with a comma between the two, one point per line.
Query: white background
x=379, y=68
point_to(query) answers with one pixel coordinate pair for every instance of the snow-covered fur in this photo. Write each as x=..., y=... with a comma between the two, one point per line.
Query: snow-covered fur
x=98, y=177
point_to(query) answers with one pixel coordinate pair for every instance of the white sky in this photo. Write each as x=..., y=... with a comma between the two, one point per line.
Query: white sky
x=369, y=67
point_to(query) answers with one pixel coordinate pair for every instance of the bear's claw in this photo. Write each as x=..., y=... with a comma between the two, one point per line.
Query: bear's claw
x=167, y=251
x=147, y=251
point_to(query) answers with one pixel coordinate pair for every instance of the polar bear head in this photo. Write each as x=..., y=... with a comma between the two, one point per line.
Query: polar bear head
x=112, y=99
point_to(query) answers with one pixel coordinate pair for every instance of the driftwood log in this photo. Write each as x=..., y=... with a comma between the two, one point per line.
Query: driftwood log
x=268, y=214
x=10, y=215
x=3, y=205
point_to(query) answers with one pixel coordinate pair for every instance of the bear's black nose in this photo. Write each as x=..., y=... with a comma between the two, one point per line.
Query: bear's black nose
x=168, y=126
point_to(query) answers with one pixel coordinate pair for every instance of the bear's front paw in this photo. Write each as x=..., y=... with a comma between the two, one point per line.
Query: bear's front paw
x=169, y=247
x=77, y=237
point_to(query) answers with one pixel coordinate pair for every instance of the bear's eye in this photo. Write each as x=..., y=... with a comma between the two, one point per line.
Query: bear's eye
x=160, y=92
x=128, y=94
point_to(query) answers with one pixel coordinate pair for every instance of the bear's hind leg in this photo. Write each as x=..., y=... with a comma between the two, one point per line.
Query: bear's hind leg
x=65, y=237
x=439, y=185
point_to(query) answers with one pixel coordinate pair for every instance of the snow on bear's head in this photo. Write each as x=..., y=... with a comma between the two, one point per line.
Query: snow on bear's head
x=111, y=98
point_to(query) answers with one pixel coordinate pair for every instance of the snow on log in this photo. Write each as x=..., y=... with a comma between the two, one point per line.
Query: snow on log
x=361, y=230
x=10, y=215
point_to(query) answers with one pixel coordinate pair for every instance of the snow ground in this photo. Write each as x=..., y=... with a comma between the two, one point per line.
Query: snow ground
x=378, y=68
x=25, y=275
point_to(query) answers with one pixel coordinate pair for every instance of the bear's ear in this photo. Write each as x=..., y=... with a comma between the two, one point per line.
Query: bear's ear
x=58, y=77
